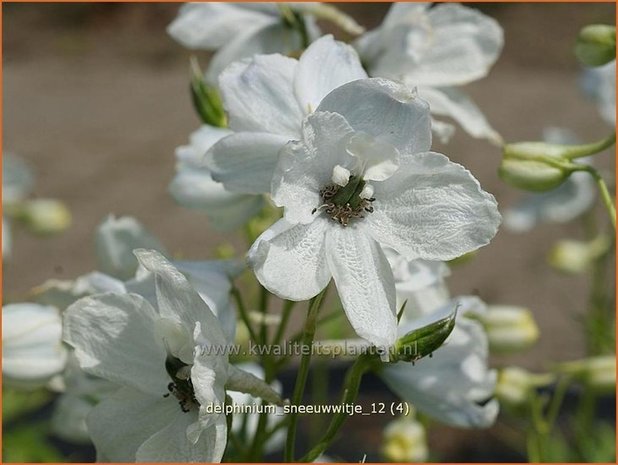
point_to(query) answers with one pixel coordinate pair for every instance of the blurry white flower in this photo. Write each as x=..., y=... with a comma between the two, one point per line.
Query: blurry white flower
x=32, y=350
x=240, y=30
x=571, y=199
x=362, y=178
x=193, y=186
x=405, y=440
x=166, y=361
x=455, y=385
x=509, y=328
x=600, y=84
x=434, y=49
x=266, y=99
x=17, y=183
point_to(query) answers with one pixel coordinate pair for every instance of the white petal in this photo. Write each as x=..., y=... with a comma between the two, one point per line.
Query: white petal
x=453, y=103
x=115, y=240
x=455, y=384
x=178, y=301
x=120, y=424
x=32, y=350
x=172, y=445
x=212, y=280
x=379, y=160
x=289, y=260
x=364, y=282
x=273, y=38
x=433, y=209
x=243, y=381
x=212, y=25
x=386, y=110
x=306, y=166
x=245, y=161
x=192, y=155
x=258, y=95
x=114, y=338
x=324, y=66
x=195, y=188
x=341, y=176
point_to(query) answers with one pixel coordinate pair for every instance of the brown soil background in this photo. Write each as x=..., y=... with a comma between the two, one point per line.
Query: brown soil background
x=96, y=100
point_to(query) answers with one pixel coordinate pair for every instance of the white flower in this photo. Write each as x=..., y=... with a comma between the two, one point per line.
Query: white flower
x=238, y=30
x=453, y=384
x=166, y=361
x=571, y=199
x=399, y=195
x=193, y=186
x=436, y=48
x=600, y=84
x=32, y=350
x=266, y=99
x=115, y=240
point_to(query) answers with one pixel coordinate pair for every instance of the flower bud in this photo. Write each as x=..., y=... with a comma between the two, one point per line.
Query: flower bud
x=509, y=328
x=45, y=216
x=514, y=385
x=597, y=373
x=405, y=441
x=576, y=257
x=423, y=341
x=596, y=45
x=206, y=99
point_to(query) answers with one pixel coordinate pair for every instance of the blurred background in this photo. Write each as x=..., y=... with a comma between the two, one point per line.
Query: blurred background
x=96, y=99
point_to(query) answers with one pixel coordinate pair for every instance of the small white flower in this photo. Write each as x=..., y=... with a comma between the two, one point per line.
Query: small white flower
x=509, y=328
x=193, y=186
x=237, y=31
x=424, y=206
x=17, y=183
x=161, y=359
x=115, y=240
x=600, y=84
x=266, y=99
x=32, y=350
x=571, y=199
x=436, y=48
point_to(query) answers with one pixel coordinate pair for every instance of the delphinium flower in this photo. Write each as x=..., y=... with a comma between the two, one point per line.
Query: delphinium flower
x=266, y=98
x=405, y=440
x=436, y=48
x=454, y=385
x=240, y=30
x=17, y=183
x=32, y=349
x=170, y=363
x=193, y=186
x=570, y=200
x=359, y=179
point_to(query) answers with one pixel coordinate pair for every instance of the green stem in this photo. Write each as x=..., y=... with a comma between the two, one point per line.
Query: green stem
x=350, y=392
x=285, y=316
x=605, y=195
x=303, y=372
x=584, y=150
x=243, y=313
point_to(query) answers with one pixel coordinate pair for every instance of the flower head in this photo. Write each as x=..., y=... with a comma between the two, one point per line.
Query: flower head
x=360, y=179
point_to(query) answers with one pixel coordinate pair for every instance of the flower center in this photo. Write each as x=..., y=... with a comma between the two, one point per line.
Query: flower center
x=346, y=202
x=181, y=386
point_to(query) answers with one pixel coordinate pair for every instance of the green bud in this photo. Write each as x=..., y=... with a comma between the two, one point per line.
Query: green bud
x=597, y=373
x=206, y=99
x=596, y=45
x=515, y=384
x=44, y=216
x=423, y=341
